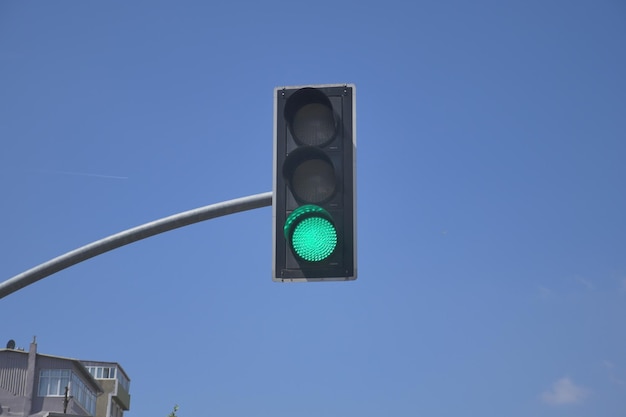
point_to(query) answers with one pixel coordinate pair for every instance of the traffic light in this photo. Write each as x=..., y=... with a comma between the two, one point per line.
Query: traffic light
x=313, y=205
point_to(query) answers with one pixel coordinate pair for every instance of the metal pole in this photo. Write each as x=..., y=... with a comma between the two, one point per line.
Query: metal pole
x=132, y=235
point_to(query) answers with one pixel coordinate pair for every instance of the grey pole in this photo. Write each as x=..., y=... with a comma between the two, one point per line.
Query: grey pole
x=132, y=235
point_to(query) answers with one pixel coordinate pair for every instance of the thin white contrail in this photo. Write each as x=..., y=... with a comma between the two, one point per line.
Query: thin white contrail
x=84, y=174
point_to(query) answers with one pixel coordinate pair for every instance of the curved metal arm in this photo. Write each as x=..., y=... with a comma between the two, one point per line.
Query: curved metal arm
x=132, y=235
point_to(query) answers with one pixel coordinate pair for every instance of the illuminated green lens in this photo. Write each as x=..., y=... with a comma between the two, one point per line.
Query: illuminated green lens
x=312, y=234
x=314, y=239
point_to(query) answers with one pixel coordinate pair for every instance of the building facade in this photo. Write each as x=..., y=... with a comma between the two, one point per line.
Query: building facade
x=38, y=385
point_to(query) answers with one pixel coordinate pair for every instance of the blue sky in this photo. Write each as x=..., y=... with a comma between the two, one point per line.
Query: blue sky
x=491, y=229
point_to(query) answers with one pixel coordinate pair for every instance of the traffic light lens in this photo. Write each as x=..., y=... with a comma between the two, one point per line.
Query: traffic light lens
x=314, y=124
x=311, y=232
x=314, y=239
x=313, y=181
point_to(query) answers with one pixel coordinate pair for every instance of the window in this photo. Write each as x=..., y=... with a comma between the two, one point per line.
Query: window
x=124, y=381
x=108, y=372
x=85, y=397
x=116, y=410
x=52, y=383
x=102, y=372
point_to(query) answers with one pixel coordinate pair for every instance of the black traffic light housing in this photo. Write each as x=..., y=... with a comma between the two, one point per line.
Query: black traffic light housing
x=314, y=198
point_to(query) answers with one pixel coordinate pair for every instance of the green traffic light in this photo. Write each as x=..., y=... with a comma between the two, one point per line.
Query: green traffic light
x=311, y=233
x=314, y=239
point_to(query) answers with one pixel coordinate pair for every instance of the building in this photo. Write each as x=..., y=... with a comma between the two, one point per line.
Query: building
x=37, y=385
x=115, y=384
